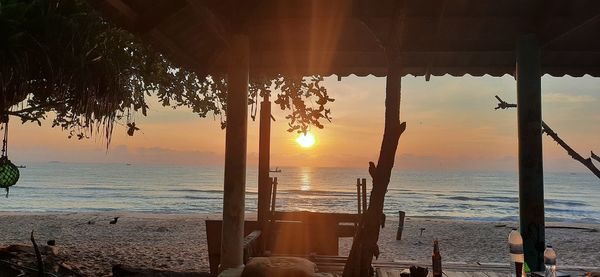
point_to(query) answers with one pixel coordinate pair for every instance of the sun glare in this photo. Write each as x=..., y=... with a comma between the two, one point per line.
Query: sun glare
x=306, y=140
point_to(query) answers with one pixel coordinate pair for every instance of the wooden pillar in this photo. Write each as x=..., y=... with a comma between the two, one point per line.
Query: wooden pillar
x=235, y=154
x=264, y=153
x=531, y=183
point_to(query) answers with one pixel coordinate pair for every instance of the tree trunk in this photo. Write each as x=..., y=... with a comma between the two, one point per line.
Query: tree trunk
x=364, y=246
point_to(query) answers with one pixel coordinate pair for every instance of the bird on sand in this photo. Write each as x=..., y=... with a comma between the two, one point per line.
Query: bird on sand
x=114, y=221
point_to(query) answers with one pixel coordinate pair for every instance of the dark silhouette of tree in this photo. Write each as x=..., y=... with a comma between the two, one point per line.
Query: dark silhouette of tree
x=364, y=246
x=546, y=129
x=576, y=156
x=594, y=156
x=62, y=58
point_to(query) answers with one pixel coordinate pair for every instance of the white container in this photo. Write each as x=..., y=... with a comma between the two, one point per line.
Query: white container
x=550, y=261
x=517, y=258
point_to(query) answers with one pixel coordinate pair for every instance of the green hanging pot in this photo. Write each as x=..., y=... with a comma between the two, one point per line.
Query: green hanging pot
x=9, y=174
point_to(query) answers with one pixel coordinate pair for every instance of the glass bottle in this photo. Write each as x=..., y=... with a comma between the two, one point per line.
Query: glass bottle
x=436, y=260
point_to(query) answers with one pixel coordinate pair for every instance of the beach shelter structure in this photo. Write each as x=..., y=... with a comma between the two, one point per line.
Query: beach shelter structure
x=392, y=38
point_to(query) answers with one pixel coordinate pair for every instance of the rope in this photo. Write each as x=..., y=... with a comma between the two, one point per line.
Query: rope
x=254, y=106
x=5, y=140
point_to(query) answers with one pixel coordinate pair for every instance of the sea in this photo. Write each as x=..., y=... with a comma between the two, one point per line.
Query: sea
x=463, y=195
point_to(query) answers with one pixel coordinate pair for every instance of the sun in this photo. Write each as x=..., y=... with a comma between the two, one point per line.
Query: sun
x=306, y=140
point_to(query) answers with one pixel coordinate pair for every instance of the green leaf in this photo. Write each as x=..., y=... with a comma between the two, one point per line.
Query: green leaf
x=526, y=268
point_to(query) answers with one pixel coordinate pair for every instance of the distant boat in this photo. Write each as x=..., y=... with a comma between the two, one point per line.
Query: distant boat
x=21, y=166
x=128, y=164
x=276, y=170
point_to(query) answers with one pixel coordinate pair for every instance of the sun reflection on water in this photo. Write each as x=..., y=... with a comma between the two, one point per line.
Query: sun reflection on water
x=305, y=177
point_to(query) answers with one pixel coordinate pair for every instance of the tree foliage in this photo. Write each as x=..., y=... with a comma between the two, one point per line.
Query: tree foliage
x=62, y=58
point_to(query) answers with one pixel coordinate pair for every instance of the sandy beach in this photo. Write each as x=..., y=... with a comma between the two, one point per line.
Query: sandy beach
x=178, y=242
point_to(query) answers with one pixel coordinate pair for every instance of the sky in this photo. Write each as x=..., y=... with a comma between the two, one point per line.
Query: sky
x=451, y=125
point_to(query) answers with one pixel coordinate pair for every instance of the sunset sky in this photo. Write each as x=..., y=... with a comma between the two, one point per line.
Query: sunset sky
x=451, y=125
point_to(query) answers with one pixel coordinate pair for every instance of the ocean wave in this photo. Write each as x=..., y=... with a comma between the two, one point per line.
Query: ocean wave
x=565, y=211
x=504, y=199
x=457, y=195
x=510, y=199
x=105, y=188
x=206, y=191
x=317, y=192
x=568, y=203
x=193, y=197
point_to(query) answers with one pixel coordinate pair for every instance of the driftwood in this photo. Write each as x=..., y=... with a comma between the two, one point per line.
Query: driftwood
x=11, y=269
x=364, y=246
x=38, y=257
x=546, y=129
x=593, y=230
x=22, y=260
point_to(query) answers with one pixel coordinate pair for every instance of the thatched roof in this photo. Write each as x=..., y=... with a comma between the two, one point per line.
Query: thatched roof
x=344, y=37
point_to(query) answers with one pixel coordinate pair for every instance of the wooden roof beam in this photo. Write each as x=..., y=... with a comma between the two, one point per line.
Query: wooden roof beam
x=124, y=9
x=156, y=15
x=435, y=36
x=384, y=41
x=374, y=36
x=174, y=51
x=217, y=27
x=571, y=29
x=396, y=29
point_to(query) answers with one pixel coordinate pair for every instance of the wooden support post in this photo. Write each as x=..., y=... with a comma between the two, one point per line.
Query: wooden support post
x=264, y=152
x=232, y=250
x=401, y=215
x=274, y=192
x=358, y=197
x=364, y=194
x=531, y=182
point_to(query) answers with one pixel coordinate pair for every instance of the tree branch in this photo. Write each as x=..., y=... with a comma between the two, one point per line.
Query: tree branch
x=25, y=117
x=38, y=108
x=586, y=162
x=503, y=104
x=546, y=129
x=34, y=113
x=595, y=157
x=38, y=256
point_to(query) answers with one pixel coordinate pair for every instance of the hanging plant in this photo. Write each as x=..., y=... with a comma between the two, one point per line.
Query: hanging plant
x=9, y=172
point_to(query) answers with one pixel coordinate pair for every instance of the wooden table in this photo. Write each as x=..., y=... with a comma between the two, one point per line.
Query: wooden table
x=394, y=272
x=471, y=270
x=335, y=265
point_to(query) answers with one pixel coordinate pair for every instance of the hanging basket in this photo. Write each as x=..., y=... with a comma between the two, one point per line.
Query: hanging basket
x=9, y=174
